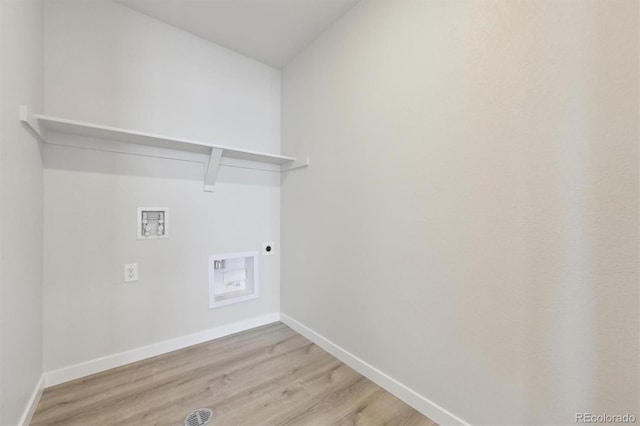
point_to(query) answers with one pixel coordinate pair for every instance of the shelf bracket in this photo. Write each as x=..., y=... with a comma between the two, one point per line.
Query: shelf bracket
x=30, y=123
x=298, y=164
x=212, y=169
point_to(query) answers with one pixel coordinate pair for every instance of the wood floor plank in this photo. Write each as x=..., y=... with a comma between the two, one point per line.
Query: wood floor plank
x=110, y=393
x=136, y=375
x=269, y=375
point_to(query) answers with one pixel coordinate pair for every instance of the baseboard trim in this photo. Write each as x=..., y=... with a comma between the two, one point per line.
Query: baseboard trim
x=52, y=378
x=406, y=394
x=417, y=401
x=30, y=409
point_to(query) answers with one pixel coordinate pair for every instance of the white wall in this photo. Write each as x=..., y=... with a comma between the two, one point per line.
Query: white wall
x=469, y=224
x=107, y=64
x=20, y=209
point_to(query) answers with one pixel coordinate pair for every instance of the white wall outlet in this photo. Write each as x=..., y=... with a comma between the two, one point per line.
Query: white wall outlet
x=268, y=248
x=130, y=272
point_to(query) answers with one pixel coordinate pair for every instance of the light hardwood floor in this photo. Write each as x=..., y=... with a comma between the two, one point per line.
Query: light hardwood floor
x=269, y=375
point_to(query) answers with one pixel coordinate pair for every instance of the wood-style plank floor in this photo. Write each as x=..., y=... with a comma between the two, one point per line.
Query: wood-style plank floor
x=269, y=375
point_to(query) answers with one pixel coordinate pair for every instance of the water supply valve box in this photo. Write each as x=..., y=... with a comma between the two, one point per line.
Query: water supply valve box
x=152, y=223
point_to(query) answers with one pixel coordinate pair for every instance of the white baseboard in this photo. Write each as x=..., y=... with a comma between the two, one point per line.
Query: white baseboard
x=30, y=409
x=417, y=401
x=77, y=371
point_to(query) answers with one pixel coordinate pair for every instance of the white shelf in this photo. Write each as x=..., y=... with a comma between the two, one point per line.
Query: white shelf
x=128, y=140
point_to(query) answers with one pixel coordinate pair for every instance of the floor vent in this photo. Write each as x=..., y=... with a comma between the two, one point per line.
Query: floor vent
x=198, y=417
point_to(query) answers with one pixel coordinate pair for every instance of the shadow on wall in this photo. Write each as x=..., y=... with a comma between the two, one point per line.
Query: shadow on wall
x=582, y=303
x=615, y=202
x=570, y=257
x=91, y=161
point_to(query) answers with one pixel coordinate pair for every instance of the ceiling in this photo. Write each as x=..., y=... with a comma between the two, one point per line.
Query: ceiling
x=269, y=31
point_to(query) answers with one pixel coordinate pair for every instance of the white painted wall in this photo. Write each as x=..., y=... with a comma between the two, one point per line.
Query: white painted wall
x=107, y=64
x=469, y=225
x=20, y=209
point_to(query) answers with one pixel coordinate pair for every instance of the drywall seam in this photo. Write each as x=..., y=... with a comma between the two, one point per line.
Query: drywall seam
x=417, y=401
x=52, y=378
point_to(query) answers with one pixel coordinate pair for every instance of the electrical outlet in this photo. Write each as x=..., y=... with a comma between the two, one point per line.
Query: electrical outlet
x=130, y=272
x=268, y=248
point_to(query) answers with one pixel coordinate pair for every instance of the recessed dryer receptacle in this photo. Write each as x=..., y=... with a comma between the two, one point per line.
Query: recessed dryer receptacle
x=233, y=278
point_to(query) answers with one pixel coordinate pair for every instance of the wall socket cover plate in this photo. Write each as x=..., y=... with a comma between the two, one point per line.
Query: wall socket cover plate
x=130, y=272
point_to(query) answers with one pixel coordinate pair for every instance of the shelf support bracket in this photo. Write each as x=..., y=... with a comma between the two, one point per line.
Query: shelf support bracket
x=30, y=123
x=298, y=164
x=212, y=169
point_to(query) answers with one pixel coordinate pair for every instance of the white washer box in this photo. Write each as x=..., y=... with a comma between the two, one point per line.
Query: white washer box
x=152, y=223
x=233, y=278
